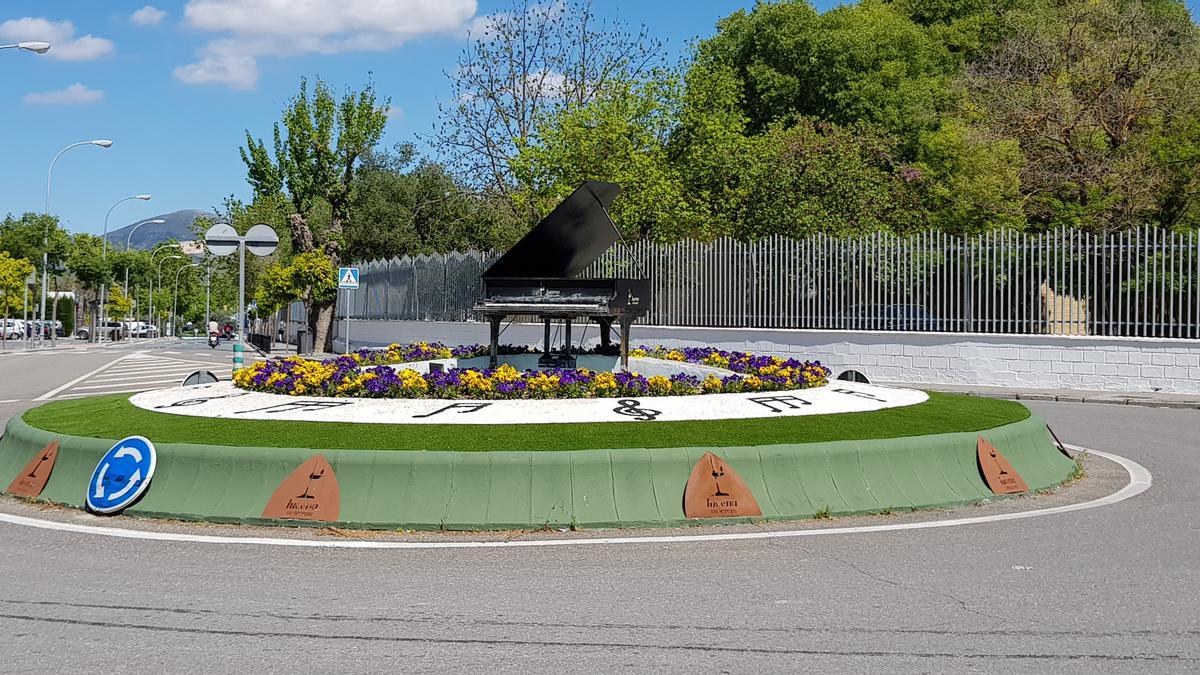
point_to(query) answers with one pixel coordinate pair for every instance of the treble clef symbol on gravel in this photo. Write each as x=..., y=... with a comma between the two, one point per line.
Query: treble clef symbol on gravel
x=629, y=406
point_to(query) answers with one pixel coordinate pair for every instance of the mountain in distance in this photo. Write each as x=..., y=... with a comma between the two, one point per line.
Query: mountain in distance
x=178, y=226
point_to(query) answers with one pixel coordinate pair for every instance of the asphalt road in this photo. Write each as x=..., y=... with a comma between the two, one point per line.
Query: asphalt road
x=1113, y=589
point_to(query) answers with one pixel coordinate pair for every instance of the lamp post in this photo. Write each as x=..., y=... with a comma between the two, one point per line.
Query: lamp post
x=160, y=262
x=150, y=297
x=130, y=236
x=175, y=301
x=104, y=256
x=35, y=47
x=100, y=143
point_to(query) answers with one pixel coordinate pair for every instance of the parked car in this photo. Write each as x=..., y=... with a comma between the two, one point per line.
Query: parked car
x=891, y=317
x=13, y=329
x=141, y=329
x=113, y=330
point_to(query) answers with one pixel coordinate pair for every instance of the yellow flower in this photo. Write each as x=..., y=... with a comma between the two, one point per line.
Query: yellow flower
x=506, y=373
x=543, y=383
x=637, y=352
x=473, y=379
x=674, y=355
x=752, y=382
x=711, y=383
x=659, y=384
x=411, y=379
x=605, y=382
x=716, y=360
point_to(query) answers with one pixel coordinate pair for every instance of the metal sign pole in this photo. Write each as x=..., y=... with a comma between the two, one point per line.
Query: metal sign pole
x=346, y=296
x=241, y=344
x=207, y=290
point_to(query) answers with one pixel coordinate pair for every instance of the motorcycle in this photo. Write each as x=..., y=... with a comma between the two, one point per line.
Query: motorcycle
x=213, y=340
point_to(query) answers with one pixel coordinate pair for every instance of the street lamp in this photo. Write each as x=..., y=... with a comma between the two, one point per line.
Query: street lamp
x=150, y=304
x=160, y=262
x=175, y=301
x=35, y=47
x=100, y=143
x=156, y=221
x=104, y=255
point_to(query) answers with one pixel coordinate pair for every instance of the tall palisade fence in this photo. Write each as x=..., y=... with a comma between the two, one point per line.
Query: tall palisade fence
x=1143, y=283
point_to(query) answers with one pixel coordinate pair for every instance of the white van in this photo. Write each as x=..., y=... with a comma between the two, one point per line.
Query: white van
x=14, y=329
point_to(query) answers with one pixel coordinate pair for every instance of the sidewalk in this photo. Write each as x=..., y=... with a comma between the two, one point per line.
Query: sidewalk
x=72, y=344
x=1149, y=399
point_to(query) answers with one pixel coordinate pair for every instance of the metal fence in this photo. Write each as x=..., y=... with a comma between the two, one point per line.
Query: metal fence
x=1136, y=283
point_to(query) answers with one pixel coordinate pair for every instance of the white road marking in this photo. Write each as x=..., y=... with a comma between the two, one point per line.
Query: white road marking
x=10, y=400
x=1139, y=481
x=170, y=372
x=79, y=379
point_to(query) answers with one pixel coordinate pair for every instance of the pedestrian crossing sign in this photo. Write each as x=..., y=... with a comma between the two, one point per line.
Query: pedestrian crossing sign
x=348, y=277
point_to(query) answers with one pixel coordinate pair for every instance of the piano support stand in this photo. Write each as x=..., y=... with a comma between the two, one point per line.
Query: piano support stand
x=605, y=330
x=625, y=323
x=494, y=338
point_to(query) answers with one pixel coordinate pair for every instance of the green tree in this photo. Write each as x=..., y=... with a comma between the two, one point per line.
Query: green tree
x=407, y=207
x=521, y=66
x=1093, y=90
x=317, y=151
x=13, y=274
x=817, y=177
x=308, y=277
x=26, y=237
x=619, y=137
x=975, y=179
x=866, y=62
x=118, y=306
x=90, y=268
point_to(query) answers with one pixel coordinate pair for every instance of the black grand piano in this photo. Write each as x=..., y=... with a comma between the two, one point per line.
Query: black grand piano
x=538, y=277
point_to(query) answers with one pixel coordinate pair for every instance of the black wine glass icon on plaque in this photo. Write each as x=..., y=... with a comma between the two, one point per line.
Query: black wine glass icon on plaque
x=998, y=474
x=311, y=477
x=46, y=455
x=717, y=472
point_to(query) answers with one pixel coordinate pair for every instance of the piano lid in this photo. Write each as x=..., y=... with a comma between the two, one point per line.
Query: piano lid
x=575, y=234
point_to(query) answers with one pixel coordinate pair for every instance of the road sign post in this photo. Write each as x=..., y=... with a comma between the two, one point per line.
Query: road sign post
x=347, y=281
x=222, y=240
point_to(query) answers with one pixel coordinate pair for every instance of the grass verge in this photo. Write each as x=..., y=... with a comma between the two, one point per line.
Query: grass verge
x=115, y=417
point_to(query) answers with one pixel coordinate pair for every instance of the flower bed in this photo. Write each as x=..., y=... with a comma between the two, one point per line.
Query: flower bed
x=345, y=375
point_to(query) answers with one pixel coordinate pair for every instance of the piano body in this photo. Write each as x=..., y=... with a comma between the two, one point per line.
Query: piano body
x=538, y=277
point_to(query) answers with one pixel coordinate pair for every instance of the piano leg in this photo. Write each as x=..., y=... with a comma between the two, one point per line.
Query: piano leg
x=625, y=325
x=567, y=346
x=494, y=334
x=605, y=331
x=546, y=341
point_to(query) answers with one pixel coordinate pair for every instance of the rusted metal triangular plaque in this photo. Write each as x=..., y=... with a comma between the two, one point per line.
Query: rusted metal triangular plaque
x=1001, y=477
x=32, y=479
x=309, y=493
x=715, y=490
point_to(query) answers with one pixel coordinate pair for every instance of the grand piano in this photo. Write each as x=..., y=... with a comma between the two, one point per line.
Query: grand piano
x=538, y=276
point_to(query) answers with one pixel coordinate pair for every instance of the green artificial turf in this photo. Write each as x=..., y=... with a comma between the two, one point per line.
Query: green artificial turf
x=115, y=417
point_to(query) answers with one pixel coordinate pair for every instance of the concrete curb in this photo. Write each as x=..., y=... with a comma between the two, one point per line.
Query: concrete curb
x=628, y=487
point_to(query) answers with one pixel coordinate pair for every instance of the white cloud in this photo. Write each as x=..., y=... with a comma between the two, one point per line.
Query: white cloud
x=395, y=112
x=60, y=34
x=220, y=63
x=294, y=27
x=147, y=16
x=72, y=95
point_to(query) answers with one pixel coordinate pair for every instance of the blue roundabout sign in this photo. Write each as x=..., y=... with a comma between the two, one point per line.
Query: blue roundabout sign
x=123, y=474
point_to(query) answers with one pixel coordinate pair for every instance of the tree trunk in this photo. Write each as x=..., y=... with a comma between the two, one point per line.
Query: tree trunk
x=322, y=318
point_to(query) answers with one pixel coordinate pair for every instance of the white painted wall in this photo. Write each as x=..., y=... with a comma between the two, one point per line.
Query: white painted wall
x=1036, y=362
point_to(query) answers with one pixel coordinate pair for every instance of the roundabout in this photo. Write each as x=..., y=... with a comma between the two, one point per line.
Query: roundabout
x=804, y=448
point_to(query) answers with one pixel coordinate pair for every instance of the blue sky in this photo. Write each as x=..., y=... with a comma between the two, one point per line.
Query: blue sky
x=176, y=84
